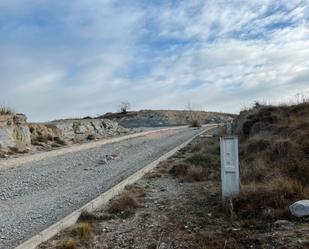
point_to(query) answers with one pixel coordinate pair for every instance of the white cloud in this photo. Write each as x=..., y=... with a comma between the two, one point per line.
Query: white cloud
x=83, y=58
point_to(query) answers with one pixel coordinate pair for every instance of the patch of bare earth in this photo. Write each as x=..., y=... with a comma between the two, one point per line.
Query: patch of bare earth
x=179, y=206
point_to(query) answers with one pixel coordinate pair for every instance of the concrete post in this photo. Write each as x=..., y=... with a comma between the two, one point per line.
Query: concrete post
x=229, y=166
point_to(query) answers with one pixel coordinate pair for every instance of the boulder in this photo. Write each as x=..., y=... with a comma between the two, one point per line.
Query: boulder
x=300, y=208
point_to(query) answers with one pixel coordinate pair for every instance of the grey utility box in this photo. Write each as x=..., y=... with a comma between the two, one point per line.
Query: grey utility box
x=229, y=166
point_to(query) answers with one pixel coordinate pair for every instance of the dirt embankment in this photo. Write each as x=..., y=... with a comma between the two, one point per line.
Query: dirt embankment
x=155, y=118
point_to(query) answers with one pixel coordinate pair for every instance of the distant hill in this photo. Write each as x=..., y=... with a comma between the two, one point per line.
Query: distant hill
x=156, y=118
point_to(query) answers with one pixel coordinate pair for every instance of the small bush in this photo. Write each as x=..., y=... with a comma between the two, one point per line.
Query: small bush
x=152, y=175
x=124, y=202
x=195, y=174
x=189, y=173
x=90, y=137
x=196, y=122
x=257, y=145
x=87, y=216
x=83, y=230
x=60, y=141
x=203, y=159
x=267, y=200
x=282, y=148
x=136, y=190
x=179, y=170
x=6, y=110
x=68, y=244
x=254, y=171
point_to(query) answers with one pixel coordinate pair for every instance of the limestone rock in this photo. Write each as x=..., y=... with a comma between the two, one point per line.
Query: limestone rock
x=13, y=131
x=77, y=130
x=300, y=208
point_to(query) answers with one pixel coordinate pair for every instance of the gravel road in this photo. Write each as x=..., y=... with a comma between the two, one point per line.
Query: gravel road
x=38, y=194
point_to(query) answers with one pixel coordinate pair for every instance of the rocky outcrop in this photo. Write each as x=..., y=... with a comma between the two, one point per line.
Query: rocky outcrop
x=14, y=133
x=81, y=129
x=62, y=132
x=156, y=118
x=18, y=136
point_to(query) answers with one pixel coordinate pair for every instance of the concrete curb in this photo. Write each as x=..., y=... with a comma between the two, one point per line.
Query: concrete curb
x=103, y=199
x=16, y=162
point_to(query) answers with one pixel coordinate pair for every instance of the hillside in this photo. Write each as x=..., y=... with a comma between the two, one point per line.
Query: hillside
x=155, y=118
x=274, y=152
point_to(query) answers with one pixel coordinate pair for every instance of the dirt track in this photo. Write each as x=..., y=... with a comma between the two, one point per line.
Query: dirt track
x=38, y=194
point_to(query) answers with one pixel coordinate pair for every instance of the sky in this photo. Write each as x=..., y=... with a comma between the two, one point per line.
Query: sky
x=78, y=58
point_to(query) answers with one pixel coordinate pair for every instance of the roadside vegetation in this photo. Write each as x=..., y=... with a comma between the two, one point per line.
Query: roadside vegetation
x=4, y=110
x=274, y=152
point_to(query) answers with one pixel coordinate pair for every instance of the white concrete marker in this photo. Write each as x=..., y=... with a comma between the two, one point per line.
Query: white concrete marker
x=229, y=166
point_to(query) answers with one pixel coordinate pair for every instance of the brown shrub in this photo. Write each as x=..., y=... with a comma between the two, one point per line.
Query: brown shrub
x=295, y=168
x=67, y=244
x=215, y=240
x=269, y=199
x=152, y=175
x=124, y=202
x=60, y=141
x=195, y=174
x=196, y=122
x=91, y=137
x=282, y=148
x=189, y=173
x=179, y=170
x=203, y=159
x=136, y=190
x=83, y=230
x=254, y=171
x=257, y=145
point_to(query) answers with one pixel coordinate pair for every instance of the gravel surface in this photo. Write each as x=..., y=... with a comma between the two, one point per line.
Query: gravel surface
x=38, y=194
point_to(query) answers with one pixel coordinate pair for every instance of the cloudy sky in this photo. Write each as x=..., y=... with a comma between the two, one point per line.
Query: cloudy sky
x=75, y=58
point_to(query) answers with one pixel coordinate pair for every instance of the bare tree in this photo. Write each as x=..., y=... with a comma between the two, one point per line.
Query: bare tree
x=195, y=118
x=124, y=106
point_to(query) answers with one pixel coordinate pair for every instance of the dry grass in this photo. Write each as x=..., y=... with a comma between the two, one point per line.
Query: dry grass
x=196, y=122
x=136, y=190
x=88, y=217
x=274, y=153
x=83, y=230
x=151, y=175
x=203, y=159
x=68, y=244
x=195, y=174
x=254, y=171
x=266, y=200
x=189, y=173
x=125, y=202
x=200, y=163
x=60, y=141
x=4, y=110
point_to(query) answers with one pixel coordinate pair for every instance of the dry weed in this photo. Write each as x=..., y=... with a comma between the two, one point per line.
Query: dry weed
x=83, y=230
x=68, y=244
x=122, y=203
x=6, y=110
